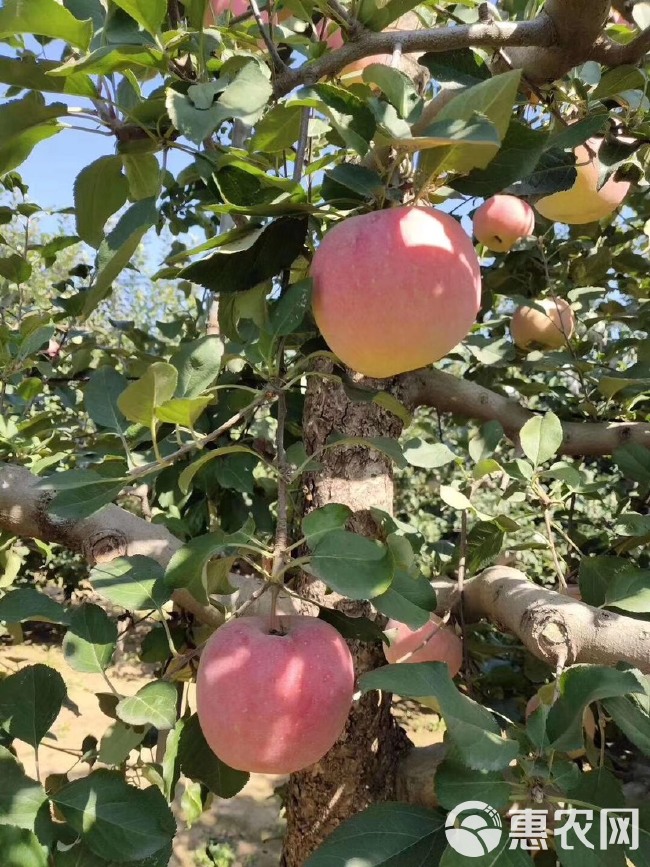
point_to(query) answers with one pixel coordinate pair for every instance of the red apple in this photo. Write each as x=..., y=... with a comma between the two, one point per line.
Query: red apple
x=584, y=202
x=395, y=290
x=549, y=327
x=274, y=702
x=432, y=642
x=502, y=221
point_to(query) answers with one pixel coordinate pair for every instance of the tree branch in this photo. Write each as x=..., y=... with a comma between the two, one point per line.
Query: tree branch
x=494, y=34
x=112, y=532
x=611, y=53
x=446, y=393
x=554, y=627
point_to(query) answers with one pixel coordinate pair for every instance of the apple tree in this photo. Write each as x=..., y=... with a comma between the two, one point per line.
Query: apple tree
x=210, y=453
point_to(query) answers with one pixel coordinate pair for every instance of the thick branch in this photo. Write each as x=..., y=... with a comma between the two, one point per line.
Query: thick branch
x=611, y=53
x=468, y=399
x=111, y=532
x=494, y=34
x=554, y=627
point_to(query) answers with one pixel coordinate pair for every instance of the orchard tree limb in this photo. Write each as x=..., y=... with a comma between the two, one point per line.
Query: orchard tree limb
x=555, y=628
x=109, y=533
x=448, y=393
x=493, y=34
x=565, y=34
x=611, y=53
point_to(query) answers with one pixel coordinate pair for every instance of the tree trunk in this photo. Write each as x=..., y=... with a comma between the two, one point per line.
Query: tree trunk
x=361, y=767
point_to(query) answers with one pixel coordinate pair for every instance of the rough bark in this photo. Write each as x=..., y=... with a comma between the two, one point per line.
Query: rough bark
x=467, y=399
x=361, y=768
x=112, y=532
x=555, y=628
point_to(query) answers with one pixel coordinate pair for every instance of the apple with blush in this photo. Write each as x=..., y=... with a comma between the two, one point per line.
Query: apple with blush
x=503, y=220
x=274, y=701
x=395, y=290
x=433, y=642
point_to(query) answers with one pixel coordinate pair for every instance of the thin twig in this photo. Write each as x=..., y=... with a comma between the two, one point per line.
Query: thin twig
x=303, y=138
x=278, y=62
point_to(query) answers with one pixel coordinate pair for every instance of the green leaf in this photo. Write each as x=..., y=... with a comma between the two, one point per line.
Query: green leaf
x=80, y=493
x=100, y=398
x=30, y=701
x=357, y=567
x=135, y=583
x=154, y=704
x=454, y=498
x=185, y=569
x=492, y=100
x=484, y=543
x=541, y=438
x=555, y=171
x=466, y=136
x=354, y=628
x=288, y=313
x=109, y=59
x=198, y=363
x=633, y=460
x=198, y=762
x=596, y=574
x=27, y=603
x=29, y=73
x=21, y=848
x=118, y=741
x=278, y=129
x=25, y=122
x=317, y=524
x=632, y=715
x=44, y=18
x=350, y=116
x=115, y=820
x=420, y=453
x=456, y=783
x=21, y=798
x=144, y=176
x=470, y=727
x=385, y=835
x=517, y=159
x=148, y=13
x=629, y=590
x=408, y=600
x=346, y=178
x=196, y=115
x=615, y=81
x=397, y=87
x=461, y=66
x=116, y=250
x=140, y=399
x=187, y=476
x=183, y=411
x=100, y=190
x=235, y=472
x=579, y=686
x=15, y=269
x=90, y=641
x=278, y=246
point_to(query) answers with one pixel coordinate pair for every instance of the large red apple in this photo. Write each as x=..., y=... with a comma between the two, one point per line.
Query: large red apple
x=502, y=221
x=550, y=327
x=432, y=642
x=274, y=702
x=395, y=290
x=584, y=202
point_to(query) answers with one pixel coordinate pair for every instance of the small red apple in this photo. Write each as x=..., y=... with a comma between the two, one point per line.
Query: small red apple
x=502, y=221
x=274, y=702
x=396, y=289
x=550, y=327
x=432, y=642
